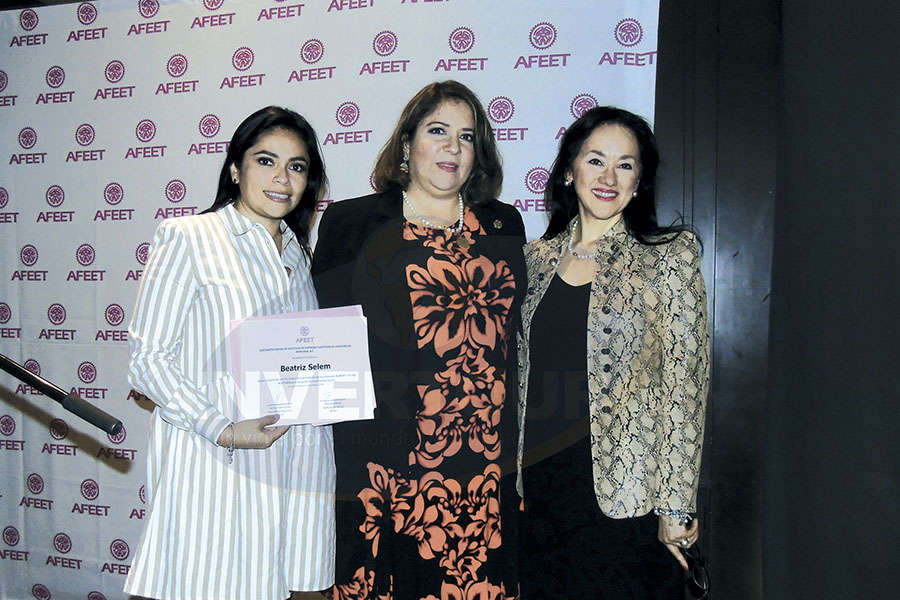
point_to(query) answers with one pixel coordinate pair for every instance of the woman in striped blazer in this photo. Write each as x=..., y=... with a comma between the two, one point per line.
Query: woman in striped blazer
x=239, y=509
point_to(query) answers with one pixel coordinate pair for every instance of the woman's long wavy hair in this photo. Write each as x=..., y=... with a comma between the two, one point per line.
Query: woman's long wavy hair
x=248, y=133
x=486, y=179
x=640, y=214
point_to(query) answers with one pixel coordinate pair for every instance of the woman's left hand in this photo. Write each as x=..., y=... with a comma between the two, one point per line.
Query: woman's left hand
x=676, y=536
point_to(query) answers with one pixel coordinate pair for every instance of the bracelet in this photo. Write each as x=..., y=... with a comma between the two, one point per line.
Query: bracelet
x=679, y=515
x=231, y=445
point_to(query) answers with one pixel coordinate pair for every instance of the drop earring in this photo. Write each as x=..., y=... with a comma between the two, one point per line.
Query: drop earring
x=404, y=166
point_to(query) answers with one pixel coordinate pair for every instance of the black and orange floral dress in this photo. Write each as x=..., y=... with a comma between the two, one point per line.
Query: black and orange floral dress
x=426, y=499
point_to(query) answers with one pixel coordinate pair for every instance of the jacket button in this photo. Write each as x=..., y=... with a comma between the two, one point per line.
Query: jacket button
x=604, y=391
x=611, y=259
x=607, y=368
x=605, y=409
x=605, y=310
x=605, y=289
x=607, y=330
x=554, y=261
x=498, y=224
x=605, y=351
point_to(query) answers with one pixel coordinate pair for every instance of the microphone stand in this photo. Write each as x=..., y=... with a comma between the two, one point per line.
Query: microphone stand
x=71, y=402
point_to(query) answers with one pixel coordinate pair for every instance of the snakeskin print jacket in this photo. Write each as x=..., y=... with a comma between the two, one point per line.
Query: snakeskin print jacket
x=648, y=368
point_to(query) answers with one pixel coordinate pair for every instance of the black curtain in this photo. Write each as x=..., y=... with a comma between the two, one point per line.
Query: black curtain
x=833, y=450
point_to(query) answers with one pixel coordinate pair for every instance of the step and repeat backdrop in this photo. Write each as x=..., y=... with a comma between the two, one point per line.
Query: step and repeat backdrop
x=115, y=115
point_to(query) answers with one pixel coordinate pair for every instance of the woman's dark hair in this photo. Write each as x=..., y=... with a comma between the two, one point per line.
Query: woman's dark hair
x=640, y=214
x=486, y=179
x=248, y=133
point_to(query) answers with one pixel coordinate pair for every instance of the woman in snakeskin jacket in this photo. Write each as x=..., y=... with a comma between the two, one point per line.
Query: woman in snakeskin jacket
x=614, y=359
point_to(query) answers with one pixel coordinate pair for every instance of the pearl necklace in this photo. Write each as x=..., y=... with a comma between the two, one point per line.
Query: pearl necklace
x=455, y=228
x=572, y=245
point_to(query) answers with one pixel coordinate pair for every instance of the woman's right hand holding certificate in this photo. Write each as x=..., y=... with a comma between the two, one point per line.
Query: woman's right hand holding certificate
x=252, y=433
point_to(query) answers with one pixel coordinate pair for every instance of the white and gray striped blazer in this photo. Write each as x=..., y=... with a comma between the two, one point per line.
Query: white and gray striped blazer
x=263, y=525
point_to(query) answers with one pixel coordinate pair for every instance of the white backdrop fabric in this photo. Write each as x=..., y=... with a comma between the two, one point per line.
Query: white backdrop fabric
x=115, y=115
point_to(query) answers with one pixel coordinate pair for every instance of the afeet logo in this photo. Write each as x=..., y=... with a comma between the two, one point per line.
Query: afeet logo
x=175, y=191
x=40, y=592
x=501, y=109
x=148, y=8
x=28, y=19
x=145, y=130
x=62, y=542
x=27, y=137
x=242, y=59
x=628, y=32
x=95, y=596
x=142, y=252
x=84, y=134
x=4, y=197
x=55, y=76
x=28, y=255
x=55, y=195
x=114, y=71
x=385, y=43
x=34, y=483
x=85, y=255
x=58, y=429
x=312, y=51
x=7, y=423
x=536, y=180
x=113, y=193
x=213, y=4
x=542, y=36
x=461, y=40
x=33, y=366
x=56, y=313
x=114, y=315
x=581, y=104
x=177, y=65
x=209, y=126
x=142, y=494
x=90, y=489
x=10, y=536
x=4, y=80
x=87, y=372
x=347, y=114
x=119, y=549
x=87, y=13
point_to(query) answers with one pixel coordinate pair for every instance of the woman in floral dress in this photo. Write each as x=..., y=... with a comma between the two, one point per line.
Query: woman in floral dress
x=424, y=489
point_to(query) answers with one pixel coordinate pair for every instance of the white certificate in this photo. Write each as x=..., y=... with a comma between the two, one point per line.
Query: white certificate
x=310, y=367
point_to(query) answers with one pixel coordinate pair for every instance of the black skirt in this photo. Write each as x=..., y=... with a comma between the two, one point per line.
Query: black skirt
x=569, y=548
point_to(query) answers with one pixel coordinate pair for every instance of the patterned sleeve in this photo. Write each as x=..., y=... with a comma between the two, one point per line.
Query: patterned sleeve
x=685, y=331
x=155, y=336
